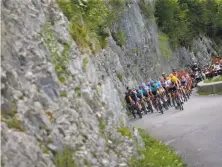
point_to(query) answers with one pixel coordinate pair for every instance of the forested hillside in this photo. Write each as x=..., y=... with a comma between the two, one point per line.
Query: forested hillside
x=184, y=20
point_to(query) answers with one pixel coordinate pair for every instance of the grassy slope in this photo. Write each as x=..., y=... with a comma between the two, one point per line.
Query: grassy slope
x=216, y=79
x=156, y=154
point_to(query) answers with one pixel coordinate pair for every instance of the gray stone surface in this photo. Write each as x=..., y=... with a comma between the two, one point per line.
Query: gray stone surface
x=194, y=133
x=32, y=93
x=210, y=88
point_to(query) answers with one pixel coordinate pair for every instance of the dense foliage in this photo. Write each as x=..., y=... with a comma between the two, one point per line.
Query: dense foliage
x=89, y=20
x=183, y=20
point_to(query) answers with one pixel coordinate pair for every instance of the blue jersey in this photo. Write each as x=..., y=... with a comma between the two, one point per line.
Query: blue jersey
x=145, y=92
x=154, y=88
x=139, y=94
x=158, y=84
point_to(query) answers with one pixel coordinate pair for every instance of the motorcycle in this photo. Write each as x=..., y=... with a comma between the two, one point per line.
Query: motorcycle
x=198, y=77
x=218, y=70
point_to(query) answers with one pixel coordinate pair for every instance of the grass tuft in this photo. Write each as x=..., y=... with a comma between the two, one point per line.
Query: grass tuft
x=215, y=79
x=85, y=63
x=120, y=76
x=64, y=158
x=63, y=93
x=125, y=131
x=14, y=123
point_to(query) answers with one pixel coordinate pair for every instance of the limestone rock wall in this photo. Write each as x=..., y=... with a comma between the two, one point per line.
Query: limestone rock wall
x=46, y=106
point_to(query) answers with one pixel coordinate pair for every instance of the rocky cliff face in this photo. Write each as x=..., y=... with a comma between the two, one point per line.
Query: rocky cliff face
x=47, y=107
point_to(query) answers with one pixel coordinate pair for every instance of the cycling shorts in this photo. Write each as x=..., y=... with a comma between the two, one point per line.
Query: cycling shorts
x=154, y=93
x=183, y=83
x=173, y=88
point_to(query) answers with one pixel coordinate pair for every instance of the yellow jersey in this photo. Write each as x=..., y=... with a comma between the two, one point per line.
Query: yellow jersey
x=174, y=79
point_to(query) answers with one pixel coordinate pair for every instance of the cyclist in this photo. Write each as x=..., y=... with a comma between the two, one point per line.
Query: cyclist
x=175, y=85
x=136, y=103
x=154, y=89
x=129, y=102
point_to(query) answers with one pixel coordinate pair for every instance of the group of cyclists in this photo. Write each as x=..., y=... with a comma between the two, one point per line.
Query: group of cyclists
x=156, y=95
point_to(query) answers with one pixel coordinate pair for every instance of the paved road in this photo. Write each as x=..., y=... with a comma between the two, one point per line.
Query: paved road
x=195, y=133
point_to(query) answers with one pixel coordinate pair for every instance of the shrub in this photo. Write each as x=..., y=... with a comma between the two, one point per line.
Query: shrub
x=120, y=38
x=125, y=131
x=164, y=46
x=85, y=21
x=117, y=8
x=78, y=90
x=64, y=158
x=146, y=8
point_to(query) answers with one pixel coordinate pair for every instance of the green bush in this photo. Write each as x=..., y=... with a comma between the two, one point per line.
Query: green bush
x=78, y=90
x=86, y=21
x=125, y=131
x=117, y=7
x=156, y=154
x=64, y=158
x=146, y=8
x=164, y=47
x=89, y=20
x=120, y=38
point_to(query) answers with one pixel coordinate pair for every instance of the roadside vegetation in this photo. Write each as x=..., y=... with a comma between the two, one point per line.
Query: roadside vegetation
x=156, y=154
x=216, y=79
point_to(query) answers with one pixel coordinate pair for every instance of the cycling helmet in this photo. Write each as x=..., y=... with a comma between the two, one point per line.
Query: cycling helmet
x=148, y=83
x=174, y=70
x=143, y=84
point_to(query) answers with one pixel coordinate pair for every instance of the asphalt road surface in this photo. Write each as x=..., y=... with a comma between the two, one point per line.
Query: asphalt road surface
x=195, y=133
